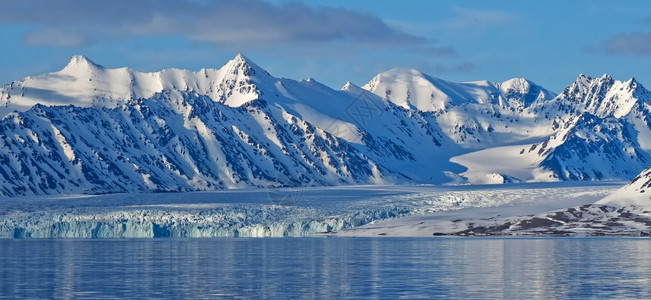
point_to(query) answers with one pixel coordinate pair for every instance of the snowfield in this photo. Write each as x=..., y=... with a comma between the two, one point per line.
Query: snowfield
x=505, y=164
x=341, y=211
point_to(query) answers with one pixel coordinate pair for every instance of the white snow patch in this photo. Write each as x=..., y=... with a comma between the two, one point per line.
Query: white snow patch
x=491, y=166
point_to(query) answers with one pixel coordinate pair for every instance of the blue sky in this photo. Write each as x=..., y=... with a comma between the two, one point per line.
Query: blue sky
x=333, y=41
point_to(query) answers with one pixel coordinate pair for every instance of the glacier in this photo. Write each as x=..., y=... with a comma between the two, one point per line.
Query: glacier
x=259, y=213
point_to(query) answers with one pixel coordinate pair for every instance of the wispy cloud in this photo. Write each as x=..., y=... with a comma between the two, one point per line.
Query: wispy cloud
x=636, y=44
x=447, y=68
x=465, y=19
x=73, y=23
x=57, y=38
x=463, y=67
x=437, y=51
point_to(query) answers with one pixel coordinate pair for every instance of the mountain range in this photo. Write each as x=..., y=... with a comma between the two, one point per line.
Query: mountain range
x=90, y=129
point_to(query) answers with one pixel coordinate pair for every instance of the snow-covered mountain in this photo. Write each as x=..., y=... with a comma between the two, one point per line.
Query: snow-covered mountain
x=603, y=130
x=90, y=129
x=636, y=194
x=412, y=89
x=475, y=115
x=235, y=128
x=84, y=83
x=175, y=141
x=597, y=128
x=601, y=97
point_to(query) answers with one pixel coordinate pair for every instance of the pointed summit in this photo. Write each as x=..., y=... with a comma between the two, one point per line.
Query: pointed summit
x=638, y=90
x=525, y=91
x=580, y=87
x=241, y=58
x=517, y=84
x=354, y=89
x=82, y=61
x=241, y=65
x=242, y=81
x=602, y=96
x=348, y=86
x=632, y=83
x=583, y=78
x=80, y=64
x=605, y=79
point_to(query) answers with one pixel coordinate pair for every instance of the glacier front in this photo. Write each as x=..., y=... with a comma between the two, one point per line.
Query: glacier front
x=267, y=212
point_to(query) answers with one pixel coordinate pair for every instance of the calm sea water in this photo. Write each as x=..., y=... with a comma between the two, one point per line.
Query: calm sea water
x=299, y=268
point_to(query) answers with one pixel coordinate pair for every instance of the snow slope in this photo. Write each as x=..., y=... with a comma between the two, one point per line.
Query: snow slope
x=634, y=195
x=506, y=164
x=175, y=141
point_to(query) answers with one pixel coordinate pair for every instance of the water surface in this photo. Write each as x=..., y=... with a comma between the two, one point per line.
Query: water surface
x=355, y=268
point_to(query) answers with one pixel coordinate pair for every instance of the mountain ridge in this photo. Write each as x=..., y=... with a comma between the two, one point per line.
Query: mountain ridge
x=403, y=126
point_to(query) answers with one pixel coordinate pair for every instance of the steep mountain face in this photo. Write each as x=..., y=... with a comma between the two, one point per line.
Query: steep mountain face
x=174, y=141
x=602, y=130
x=601, y=97
x=89, y=129
x=593, y=148
x=521, y=93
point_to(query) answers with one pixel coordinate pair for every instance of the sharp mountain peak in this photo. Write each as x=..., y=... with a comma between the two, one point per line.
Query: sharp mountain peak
x=81, y=62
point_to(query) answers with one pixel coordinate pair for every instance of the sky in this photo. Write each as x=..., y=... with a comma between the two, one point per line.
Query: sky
x=334, y=41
